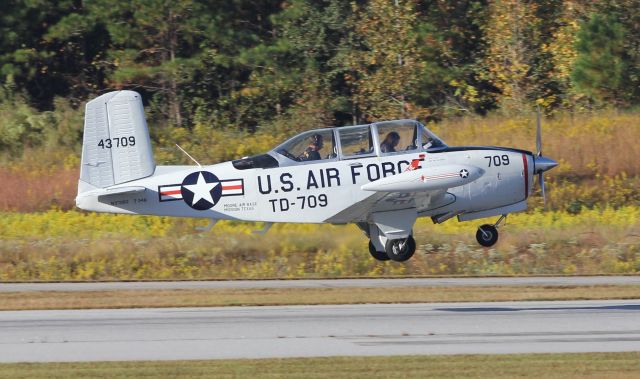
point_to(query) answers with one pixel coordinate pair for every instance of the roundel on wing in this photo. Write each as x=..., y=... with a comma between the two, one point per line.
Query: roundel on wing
x=201, y=190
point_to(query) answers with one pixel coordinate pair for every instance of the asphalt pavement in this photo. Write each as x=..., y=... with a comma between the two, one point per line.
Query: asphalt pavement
x=311, y=331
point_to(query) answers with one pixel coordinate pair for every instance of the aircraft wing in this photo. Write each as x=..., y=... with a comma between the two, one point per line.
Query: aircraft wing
x=388, y=201
x=420, y=189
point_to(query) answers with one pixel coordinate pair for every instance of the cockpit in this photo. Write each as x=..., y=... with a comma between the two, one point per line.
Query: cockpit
x=349, y=142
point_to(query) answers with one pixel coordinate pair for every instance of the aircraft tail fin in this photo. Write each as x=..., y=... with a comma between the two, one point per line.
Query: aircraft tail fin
x=116, y=147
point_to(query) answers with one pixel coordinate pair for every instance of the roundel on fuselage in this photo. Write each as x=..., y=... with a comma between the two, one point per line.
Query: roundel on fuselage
x=201, y=190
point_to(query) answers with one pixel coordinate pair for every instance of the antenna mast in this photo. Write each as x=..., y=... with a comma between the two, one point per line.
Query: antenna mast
x=187, y=154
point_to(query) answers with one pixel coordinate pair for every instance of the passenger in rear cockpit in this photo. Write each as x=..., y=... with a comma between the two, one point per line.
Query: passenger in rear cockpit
x=390, y=142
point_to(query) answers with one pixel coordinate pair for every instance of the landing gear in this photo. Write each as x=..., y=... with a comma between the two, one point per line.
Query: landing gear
x=389, y=234
x=378, y=255
x=487, y=234
x=401, y=249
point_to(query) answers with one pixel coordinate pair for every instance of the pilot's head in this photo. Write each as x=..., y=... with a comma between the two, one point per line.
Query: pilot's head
x=316, y=140
x=392, y=138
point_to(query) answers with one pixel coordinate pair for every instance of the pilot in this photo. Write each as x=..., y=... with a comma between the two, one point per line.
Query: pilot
x=312, y=152
x=390, y=142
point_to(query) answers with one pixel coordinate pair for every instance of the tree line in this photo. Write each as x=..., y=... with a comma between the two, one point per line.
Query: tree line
x=248, y=63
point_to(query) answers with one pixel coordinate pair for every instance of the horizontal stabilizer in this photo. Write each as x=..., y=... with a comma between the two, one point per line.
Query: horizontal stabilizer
x=122, y=191
x=104, y=195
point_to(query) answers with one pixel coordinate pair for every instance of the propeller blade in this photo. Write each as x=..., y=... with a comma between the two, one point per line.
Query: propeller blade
x=544, y=195
x=538, y=131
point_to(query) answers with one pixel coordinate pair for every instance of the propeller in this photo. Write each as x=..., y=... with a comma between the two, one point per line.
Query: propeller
x=541, y=163
x=538, y=131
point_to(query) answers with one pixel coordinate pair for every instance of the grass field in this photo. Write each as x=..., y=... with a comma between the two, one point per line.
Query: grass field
x=592, y=365
x=305, y=296
x=59, y=245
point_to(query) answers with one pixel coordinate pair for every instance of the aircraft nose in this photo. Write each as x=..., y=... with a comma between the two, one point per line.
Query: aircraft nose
x=543, y=164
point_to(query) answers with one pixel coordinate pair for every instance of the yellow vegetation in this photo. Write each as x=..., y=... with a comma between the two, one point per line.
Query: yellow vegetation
x=57, y=245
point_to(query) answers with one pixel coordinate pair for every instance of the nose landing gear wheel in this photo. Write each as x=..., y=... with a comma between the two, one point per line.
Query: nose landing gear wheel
x=378, y=255
x=487, y=235
x=401, y=250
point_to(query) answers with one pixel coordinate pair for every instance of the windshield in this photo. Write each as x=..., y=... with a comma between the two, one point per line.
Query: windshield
x=431, y=142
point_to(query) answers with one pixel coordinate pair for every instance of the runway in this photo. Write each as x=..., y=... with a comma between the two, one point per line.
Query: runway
x=305, y=331
x=327, y=283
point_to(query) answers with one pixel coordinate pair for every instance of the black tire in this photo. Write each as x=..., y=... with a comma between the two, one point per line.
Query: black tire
x=400, y=254
x=378, y=255
x=489, y=237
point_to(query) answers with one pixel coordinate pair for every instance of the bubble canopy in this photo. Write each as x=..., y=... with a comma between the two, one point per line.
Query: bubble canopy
x=352, y=142
x=348, y=142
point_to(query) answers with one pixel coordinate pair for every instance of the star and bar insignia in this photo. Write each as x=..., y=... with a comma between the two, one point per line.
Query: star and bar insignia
x=201, y=190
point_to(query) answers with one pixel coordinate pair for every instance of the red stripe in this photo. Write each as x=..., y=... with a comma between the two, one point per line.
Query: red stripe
x=232, y=187
x=526, y=176
x=174, y=192
x=442, y=176
x=439, y=175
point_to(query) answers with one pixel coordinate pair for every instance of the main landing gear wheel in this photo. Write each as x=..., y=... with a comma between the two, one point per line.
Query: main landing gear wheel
x=487, y=235
x=378, y=255
x=401, y=249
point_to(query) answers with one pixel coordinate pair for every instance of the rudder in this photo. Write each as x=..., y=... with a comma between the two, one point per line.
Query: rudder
x=116, y=147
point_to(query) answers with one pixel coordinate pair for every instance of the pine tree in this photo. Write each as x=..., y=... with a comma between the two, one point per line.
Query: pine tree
x=563, y=53
x=154, y=44
x=601, y=64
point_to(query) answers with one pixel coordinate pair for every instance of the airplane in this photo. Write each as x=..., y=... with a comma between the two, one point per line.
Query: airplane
x=380, y=176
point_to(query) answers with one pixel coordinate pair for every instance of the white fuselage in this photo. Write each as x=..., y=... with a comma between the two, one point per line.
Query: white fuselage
x=317, y=192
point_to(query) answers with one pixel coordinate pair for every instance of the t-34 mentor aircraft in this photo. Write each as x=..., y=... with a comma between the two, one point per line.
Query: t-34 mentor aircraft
x=380, y=176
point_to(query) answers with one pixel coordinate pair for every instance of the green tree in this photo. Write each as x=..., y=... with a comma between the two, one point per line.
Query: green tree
x=510, y=33
x=386, y=66
x=227, y=87
x=624, y=12
x=42, y=65
x=561, y=51
x=601, y=65
x=450, y=42
x=154, y=43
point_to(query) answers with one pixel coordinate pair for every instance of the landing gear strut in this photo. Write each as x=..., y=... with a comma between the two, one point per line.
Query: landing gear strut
x=487, y=234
